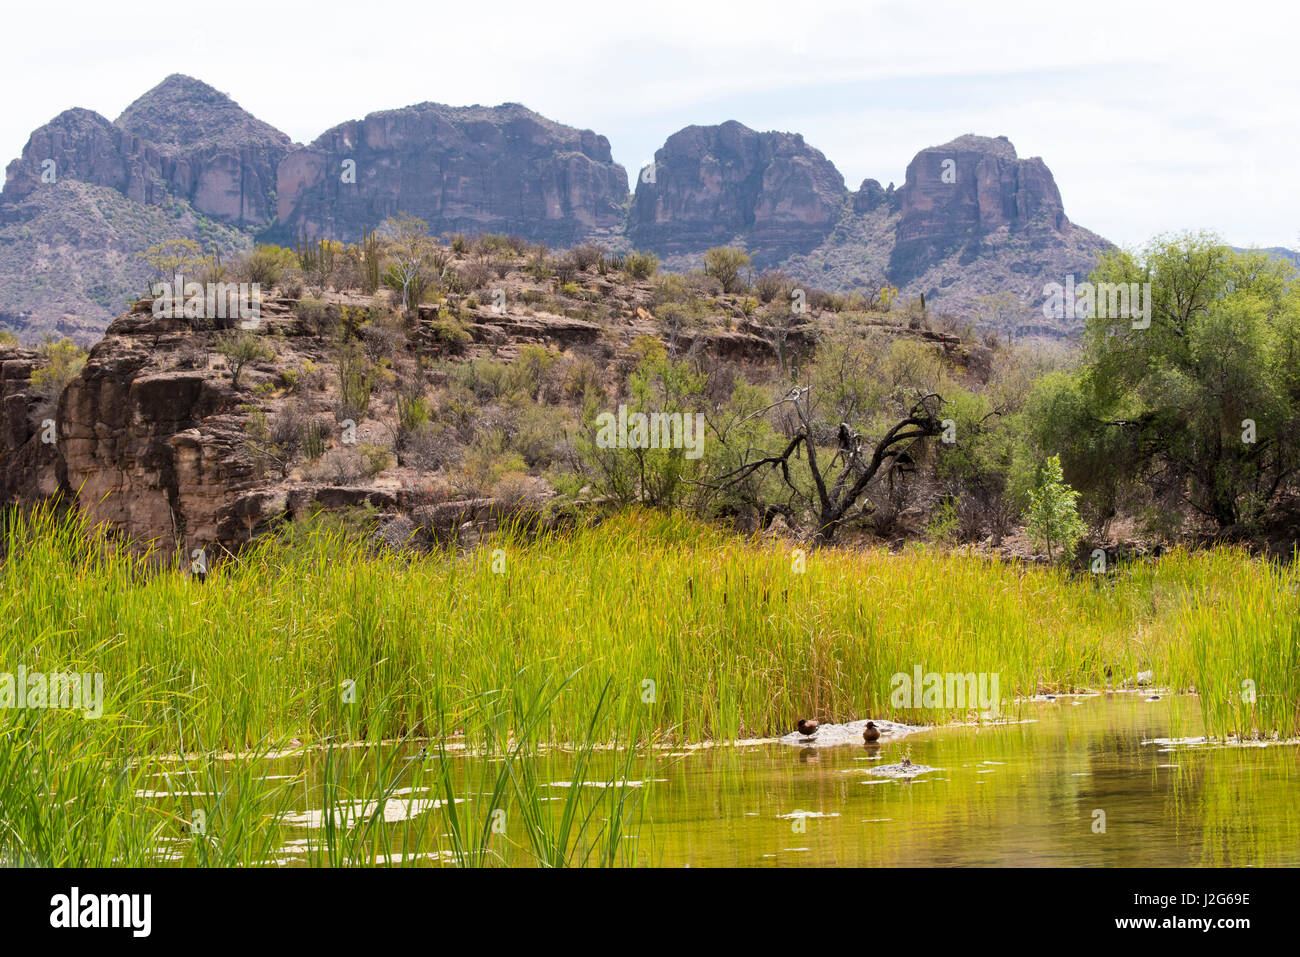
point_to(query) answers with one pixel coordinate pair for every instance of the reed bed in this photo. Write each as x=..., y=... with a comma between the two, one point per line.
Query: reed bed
x=562, y=654
x=687, y=632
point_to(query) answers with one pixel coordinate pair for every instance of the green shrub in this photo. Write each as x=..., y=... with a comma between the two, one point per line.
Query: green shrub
x=412, y=411
x=241, y=348
x=374, y=458
x=1053, y=515
x=640, y=265
x=724, y=263
x=269, y=265
x=63, y=360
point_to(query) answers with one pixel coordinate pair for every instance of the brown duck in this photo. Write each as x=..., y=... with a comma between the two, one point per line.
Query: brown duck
x=871, y=732
x=807, y=728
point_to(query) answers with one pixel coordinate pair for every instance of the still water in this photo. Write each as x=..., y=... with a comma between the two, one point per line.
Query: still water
x=1115, y=780
x=1093, y=783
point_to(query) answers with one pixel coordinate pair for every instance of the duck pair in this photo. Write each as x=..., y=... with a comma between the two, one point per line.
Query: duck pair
x=809, y=729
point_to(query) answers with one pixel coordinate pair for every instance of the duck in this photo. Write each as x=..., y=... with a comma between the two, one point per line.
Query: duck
x=871, y=732
x=807, y=728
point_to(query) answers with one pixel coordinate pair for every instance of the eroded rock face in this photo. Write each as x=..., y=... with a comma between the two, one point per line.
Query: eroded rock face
x=29, y=463
x=156, y=453
x=153, y=441
x=461, y=169
x=213, y=153
x=82, y=145
x=182, y=138
x=976, y=219
x=973, y=185
x=871, y=196
x=718, y=185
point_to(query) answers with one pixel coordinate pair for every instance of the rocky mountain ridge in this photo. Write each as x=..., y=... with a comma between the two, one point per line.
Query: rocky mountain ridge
x=971, y=217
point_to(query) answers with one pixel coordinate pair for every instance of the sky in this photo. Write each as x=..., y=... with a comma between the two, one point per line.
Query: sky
x=1153, y=117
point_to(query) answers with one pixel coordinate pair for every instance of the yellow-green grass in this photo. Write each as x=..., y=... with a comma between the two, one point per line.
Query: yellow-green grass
x=646, y=628
x=686, y=631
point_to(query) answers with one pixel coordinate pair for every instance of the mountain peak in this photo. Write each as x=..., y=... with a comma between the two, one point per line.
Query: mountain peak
x=182, y=112
x=712, y=184
x=998, y=146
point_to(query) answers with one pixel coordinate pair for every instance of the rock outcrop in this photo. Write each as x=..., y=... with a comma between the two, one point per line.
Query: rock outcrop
x=717, y=185
x=182, y=139
x=154, y=452
x=972, y=219
x=975, y=220
x=81, y=145
x=974, y=185
x=29, y=464
x=460, y=169
x=212, y=153
x=871, y=196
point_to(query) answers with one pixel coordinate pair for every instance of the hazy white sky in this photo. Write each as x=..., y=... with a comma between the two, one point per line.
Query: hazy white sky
x=1152, y=116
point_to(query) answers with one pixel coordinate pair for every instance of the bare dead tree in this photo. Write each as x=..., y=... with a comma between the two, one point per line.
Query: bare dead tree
x=835, y=499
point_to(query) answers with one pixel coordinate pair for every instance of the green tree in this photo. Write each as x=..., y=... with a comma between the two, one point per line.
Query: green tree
x=410, y=253
x=240, y=349
x=172, y=258
x=1053, y=515
x=654, y=476
x=724, y=263
x=1201, y=405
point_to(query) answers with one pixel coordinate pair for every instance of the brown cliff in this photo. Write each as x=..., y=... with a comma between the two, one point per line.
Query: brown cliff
x=717, y=185
x=460, y=169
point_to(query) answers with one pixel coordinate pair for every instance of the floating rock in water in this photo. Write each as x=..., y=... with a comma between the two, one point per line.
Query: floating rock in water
x=904, y=770
x=831, y=735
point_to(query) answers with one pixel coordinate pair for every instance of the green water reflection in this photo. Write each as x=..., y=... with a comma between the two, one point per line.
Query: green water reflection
x=1081, y=782
x=1019, y=795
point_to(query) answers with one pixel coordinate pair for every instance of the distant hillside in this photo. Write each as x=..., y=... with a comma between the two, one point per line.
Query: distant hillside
x=1278, y=252
x=69, y=256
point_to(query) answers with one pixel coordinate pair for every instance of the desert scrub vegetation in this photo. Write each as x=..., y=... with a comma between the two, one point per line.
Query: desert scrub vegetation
x=241, y=349
x=846, y=416
x=61, y=360
x=728, y=265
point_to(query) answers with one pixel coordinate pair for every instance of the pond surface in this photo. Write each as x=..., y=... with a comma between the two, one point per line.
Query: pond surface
x=1114, y=780
x=1020, y=795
